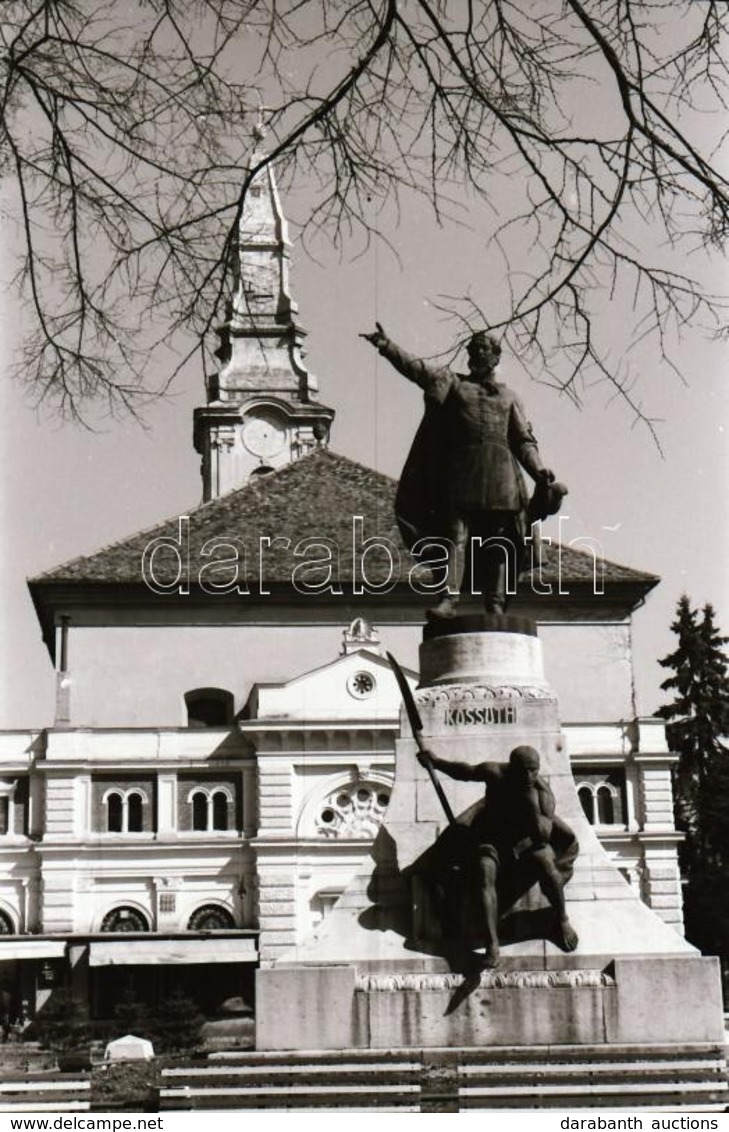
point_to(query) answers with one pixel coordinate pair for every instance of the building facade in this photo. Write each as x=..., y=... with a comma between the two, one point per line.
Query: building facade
x=223, y=746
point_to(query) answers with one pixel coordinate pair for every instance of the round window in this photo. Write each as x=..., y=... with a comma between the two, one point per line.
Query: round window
x=353, y=812
x=361, y=684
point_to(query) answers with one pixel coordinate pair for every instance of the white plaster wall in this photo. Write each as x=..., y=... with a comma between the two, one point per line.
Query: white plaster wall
x=318, y=873
x=214, y=880
x=137, y=676
x=325, y=694
x=18, y=887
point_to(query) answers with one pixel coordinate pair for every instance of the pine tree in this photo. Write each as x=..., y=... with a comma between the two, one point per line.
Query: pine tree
x=178, y=1024
x=697, y=725
x=697, y=721
x=132, y=1016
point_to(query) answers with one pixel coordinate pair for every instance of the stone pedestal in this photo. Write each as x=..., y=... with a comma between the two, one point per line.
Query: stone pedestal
x=379, y=973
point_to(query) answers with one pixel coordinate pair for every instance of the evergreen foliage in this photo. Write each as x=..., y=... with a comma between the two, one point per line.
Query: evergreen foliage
x=697, y=723
x=133, y=1017
x=173, y=1027
x=63, y=1024
x=178, y=1023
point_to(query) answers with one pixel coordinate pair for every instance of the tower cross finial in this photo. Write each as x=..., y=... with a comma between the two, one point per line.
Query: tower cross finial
x=263, y=408
x=260, y=129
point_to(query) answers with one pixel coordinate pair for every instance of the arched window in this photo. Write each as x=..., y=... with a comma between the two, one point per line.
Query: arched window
x=134, y=812
x=200, y=810
x=211, y=808
x=115, y=807
x=6, y=924
x=209, y=707
x=210, y=918
x=220, y=810
x=125, y=919
x=8, y=806
x=605, y=807
x=4, y=814
x=600, y=797
x=124, y=811
x=587, y=801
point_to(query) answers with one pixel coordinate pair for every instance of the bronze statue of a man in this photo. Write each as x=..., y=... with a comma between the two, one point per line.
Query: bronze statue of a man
x=516, y=827
x=462, y=480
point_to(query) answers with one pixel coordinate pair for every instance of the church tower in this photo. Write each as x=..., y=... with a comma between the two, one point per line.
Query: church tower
x=262, y=406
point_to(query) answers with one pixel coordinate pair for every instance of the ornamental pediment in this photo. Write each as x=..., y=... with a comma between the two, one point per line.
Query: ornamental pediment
x=360, y=685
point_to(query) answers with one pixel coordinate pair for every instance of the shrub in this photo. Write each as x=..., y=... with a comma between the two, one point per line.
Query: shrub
x=177, y=1027
x=63, y=1024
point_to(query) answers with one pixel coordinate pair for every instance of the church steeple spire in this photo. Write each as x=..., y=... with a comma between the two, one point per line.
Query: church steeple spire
x=263, y=409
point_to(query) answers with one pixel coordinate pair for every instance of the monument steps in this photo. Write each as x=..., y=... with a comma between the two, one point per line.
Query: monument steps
x=555, y=1053
x=35, y=1105
x=352, y=1074
x=644, y=1076
x=45, y=1092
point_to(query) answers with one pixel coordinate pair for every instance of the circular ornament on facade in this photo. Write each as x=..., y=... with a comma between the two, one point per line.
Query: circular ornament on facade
x=124, y=919
x=361, y=685
x=210, y=918
x=353, y=812
x=264, y=435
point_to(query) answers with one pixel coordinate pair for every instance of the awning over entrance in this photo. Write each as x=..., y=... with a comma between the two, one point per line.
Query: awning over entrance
x=31, y=948
x=144, y=952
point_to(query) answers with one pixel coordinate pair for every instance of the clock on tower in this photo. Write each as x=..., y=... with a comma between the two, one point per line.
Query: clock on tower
x=263, y=409
x=264, y=435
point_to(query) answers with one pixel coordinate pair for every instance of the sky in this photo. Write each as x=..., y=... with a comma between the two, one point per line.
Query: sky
x=69, y=491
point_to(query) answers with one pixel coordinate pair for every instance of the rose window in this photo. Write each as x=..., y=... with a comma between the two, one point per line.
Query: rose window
x=353, y=811
x=361, y=684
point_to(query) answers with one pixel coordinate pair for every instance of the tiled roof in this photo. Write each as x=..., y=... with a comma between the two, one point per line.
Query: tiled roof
x=314, y=498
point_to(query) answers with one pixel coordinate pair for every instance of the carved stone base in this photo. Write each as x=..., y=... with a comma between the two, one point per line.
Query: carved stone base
x=496, y=658
x=632, y=977
x=630, y=1001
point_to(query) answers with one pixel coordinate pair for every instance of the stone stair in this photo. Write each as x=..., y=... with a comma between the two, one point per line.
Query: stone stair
x=352, y=1080
x=44, y=1091
x=454, y=1080
x=639, y=1077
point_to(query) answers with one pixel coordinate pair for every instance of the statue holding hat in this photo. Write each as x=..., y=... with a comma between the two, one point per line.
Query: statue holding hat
x=462, y=479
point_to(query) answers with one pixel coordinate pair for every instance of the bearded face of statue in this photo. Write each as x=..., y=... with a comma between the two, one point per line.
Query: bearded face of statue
x=484, y=353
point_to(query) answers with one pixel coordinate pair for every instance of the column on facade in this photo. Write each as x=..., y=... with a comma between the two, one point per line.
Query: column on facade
x=275, y=855
x=658, y=836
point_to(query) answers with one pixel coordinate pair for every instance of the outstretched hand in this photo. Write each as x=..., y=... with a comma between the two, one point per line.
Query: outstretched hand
x=425, y=757
x=377, y=337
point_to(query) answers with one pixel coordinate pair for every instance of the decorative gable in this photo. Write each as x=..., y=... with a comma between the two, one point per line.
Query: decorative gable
x=360, y=685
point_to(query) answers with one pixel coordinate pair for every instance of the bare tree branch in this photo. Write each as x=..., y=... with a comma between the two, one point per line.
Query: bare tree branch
x=126, y=136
